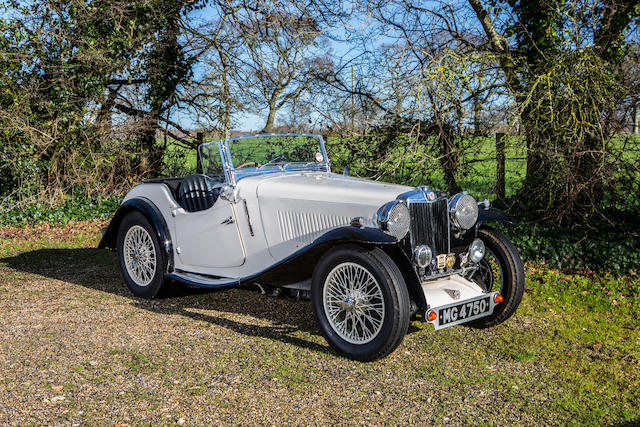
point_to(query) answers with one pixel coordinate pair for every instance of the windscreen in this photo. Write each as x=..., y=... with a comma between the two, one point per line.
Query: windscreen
x=211, y=161
x=282, y=151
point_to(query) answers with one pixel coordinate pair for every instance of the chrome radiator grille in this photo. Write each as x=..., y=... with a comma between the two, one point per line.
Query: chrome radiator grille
x=430, y=225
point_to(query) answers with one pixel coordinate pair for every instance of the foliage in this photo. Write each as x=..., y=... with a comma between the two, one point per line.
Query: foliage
x=391, y=158
x=565, y=77
x=57, y=58
x=73, y=209
x=603, y=248
x=66, y=68
x=572, y=158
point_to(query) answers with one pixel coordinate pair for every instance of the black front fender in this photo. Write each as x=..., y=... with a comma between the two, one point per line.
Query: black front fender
x=493, y=215
x=152, y=213
x=300, y=265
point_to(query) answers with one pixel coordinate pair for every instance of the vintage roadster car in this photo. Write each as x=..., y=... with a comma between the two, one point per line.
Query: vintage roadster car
x=268, y=211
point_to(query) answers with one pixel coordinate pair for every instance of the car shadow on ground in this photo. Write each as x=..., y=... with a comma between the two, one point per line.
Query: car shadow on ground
x=98, y=269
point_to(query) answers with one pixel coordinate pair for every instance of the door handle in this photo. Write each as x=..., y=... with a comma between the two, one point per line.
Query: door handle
x=228, y=221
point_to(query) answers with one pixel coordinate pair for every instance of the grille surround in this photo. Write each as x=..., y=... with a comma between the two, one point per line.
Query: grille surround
x=430, y=225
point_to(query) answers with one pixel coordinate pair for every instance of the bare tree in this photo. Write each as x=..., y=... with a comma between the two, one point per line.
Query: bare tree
x=281, y=58
x=214, y=95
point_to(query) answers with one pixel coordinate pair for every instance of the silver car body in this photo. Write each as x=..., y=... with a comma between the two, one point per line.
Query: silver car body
x=285, y=211
x=264, y=217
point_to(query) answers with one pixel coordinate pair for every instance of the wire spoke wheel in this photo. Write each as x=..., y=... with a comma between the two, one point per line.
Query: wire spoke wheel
x=139, y=255
x=353, y=303
x=500, y=270
x=489, y=274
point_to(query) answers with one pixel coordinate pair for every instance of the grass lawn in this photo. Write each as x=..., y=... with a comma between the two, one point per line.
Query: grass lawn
x=77, y=347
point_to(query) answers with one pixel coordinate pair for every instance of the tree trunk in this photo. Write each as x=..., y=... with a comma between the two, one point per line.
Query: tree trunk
x=449, y=159
x=226, y=92
x=500, y=166
x=268, y=127
x=537, y=174
x=200, y=138
x=477, y=109
x=151, y=163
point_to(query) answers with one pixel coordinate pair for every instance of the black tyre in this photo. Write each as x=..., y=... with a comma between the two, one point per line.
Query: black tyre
x=142, y=262
x=500, y=270
x=360, y=302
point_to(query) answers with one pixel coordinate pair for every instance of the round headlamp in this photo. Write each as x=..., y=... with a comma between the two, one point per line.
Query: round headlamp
x=422, y=256
x=393, y=219
x=477, y=250
x=464, y=210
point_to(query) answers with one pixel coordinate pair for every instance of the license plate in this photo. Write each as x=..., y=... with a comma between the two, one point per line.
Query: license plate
x=465, y=311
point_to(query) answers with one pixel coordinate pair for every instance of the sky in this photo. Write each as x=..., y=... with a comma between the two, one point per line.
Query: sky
x=249, y=121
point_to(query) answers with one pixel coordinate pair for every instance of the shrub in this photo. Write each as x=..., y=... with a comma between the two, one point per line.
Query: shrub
x=73, y=209
x=603, y=248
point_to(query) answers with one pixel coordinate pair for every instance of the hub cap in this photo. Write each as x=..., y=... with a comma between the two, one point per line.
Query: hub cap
x=353, y=303
x=139, y=255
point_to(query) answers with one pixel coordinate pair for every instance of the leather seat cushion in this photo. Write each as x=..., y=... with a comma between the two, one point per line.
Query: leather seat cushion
x=197, y=193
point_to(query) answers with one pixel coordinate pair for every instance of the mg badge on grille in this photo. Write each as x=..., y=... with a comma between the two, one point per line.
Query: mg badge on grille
x=442, y=260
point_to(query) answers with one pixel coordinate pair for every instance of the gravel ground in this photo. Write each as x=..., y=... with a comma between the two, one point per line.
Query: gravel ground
x=76, y=347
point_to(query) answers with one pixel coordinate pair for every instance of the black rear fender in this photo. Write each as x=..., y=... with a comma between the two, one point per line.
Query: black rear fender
x=152, y=213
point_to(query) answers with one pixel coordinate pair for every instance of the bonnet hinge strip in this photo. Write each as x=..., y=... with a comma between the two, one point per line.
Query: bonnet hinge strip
x=246, y=211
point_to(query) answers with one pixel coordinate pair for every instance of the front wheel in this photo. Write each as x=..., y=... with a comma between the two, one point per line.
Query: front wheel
x=360, y=302
x=500, y=270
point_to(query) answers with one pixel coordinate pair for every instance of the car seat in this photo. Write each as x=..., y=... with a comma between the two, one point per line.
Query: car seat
x=197, y=193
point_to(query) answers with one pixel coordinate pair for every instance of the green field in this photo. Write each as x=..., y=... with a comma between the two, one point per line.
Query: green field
x=77, y=348
x=477, y=177
x=418, y=165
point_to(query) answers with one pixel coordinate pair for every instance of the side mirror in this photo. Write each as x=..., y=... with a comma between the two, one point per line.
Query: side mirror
x=345, y=172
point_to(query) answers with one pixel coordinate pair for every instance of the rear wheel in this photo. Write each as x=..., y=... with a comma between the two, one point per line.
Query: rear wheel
x=501, y=270
x=360, y=302
x=142, y=262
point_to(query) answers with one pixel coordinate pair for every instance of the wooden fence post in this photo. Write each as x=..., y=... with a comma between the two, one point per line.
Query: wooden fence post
x=200, y=139
x=500, y=163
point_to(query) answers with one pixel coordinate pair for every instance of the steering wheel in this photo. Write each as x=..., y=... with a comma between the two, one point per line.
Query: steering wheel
x=255, y=164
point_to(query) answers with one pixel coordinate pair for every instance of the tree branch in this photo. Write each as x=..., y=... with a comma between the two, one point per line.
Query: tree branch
x=140, y=113
x=499, y=45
